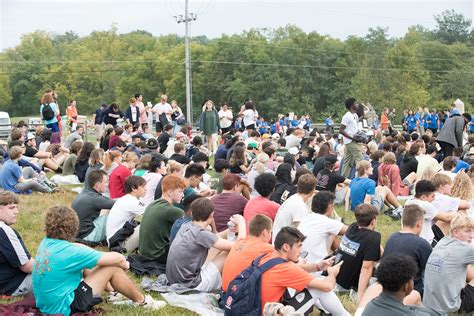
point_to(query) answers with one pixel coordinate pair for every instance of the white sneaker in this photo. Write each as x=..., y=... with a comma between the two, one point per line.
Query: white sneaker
x=115, y=296
x=152, y=303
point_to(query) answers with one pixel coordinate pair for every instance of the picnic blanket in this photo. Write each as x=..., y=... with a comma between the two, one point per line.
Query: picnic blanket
x=180, y=296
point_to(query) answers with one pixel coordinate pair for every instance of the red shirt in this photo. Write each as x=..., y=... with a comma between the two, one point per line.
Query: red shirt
x=117, y=181
x=260, y=205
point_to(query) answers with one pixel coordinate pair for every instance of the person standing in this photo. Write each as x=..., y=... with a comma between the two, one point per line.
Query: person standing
x=71, y=112
x=162, y=111
x=49, y=111
x=98, y=118
x=349, y=127
x=209, y=124
x=112, y=114
x=133, y=113
x=225, y=118
x=451, y=134
x=141, y=107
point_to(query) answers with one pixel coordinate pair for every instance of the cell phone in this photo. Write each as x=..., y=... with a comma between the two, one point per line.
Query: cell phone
x=303, y=254
x=338, y=258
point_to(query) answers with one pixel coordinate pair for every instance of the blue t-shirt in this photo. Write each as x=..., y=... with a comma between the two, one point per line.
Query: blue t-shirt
x=471, y=126
x=360, y=187
x=411, y=122
x=177, y=225
x=294, y=123
x=57, y=272
x=328, y=122
x=54, y=108
x=461, y=165
x=263, y=127
x=9, y=176
x=434, y=121
x=273, y=128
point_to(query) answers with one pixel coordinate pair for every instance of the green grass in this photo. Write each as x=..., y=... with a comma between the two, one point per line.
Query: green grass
x=31, y=228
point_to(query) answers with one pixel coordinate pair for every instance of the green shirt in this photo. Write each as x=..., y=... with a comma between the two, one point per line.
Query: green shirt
x=68, y=165
x=155, y=228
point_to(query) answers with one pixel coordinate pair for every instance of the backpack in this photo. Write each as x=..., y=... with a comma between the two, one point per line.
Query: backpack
x=47, y=112
x=244, y=294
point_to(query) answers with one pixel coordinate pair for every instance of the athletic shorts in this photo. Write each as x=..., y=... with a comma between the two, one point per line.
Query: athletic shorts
x=84, y=299
x=251, y=126
x=211, y=279
x=467, y=299
x=377, y=201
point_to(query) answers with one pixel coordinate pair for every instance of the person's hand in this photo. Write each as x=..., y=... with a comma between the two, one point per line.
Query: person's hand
x=323, y=265
x=238, y=220
x=334, y=270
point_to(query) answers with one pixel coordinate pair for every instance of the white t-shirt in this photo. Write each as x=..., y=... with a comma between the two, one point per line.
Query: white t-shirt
x=294, y=209
x=430, y=213
x=152, y=179
x=450, y=174
x=249, y=117
x=349, y=120
x=445, y=203
x=124, y=209
x=163, y=107
x=318, y=230
x=426, y=162
x=133, y=109
x=225, y=118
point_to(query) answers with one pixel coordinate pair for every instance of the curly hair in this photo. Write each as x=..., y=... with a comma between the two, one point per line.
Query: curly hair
x=395, y=271
x=462, y=187
x=62, y=223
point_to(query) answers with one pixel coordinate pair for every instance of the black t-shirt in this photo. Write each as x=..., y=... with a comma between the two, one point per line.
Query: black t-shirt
x=413, y=246
x=318, y=165
x=327, y=180
x=30, y=151
x=282, y=192
x=409, y=164
x=182, y=159
x=163, y=140
x=357, y=245
x=13, y=254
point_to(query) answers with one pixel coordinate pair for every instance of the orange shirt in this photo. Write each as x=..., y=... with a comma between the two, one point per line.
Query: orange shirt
x=277, y=279
x=384, y=121
x=71, y=113
x=241, y=256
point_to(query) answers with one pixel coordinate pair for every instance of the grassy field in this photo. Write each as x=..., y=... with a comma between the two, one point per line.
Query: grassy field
x=30, y=226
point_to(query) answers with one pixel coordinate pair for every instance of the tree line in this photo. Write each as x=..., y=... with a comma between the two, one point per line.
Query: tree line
x=282, y=70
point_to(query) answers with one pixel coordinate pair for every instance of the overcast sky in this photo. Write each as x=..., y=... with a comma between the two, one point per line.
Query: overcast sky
x=216, y=17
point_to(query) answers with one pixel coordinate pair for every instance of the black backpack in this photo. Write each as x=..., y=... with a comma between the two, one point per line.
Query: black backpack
x=244, y=293
x=47, y=112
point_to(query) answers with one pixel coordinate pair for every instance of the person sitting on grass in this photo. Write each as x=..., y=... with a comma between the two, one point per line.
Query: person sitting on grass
x=159, y=217
x=123, y=212
x=360, y=249
x=187, y=217
x=92, y=208
x=424, y=197
x=395, y=274
x=70, y=278
x=364, y=190
x=320, y=229
x=264, y=185
x=221, y=167
x=15, y=260
x=179, y=154
x=16, y=180
x=120, y=174
x=449, y=267
x=196, y=256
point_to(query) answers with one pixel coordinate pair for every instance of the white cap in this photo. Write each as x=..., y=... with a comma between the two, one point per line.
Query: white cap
x=30, y=136
x=276, y=136
x=293, y=151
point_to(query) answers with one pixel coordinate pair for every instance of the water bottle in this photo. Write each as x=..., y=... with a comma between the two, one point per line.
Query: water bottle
x=231, y=236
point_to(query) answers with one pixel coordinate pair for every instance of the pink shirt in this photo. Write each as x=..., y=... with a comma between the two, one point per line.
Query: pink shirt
x=260, y=205
x=143, y=114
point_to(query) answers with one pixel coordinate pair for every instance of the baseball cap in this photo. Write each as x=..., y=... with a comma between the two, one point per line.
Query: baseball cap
x=30, y=136
x=276, y=136
x=330, y=159
x=152, y=143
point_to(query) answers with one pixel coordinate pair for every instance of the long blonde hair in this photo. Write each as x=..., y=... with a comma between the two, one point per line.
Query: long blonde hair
x=110, y=157
x=262, y=160
x=462, y=187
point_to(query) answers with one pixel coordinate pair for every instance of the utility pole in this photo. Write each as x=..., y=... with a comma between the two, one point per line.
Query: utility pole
x=187, y=18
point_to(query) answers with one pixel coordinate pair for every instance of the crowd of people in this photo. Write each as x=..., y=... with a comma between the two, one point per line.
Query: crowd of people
x=245, y=208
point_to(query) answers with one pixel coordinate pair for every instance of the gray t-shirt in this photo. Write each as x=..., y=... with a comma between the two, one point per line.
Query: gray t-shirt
x=187, y=254
x=388, y=305
x=71, y=138
x=445, y=274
